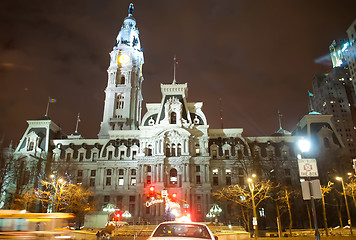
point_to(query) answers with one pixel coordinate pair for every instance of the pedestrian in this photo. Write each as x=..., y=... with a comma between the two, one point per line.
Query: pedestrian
x=98, y=235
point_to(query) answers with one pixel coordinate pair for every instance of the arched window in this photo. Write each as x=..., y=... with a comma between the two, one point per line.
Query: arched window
x=149, y=150
x=197, y=150
x=173, y=152
x=173, y=179
x=168, y=150
x=120, y=102
x=173, y=118
x=122, y=80
x=179, y=149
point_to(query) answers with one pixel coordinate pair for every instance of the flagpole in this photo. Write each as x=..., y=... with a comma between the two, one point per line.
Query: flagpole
x=76, y=128
x=279, y=119
x=47, y=106
x=174, y=69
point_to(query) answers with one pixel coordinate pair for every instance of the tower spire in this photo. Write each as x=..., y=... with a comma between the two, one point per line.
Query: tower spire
x=279, y=119
x=131, y=9
x=123, y=94
x=78, y=121
x=221, y=113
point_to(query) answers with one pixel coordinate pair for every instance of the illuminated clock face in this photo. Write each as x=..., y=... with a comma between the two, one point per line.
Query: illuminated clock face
x=123, y=59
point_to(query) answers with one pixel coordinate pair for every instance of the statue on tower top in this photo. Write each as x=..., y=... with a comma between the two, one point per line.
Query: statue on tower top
x=131, y=8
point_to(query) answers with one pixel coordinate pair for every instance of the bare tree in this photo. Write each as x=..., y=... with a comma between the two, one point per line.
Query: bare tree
x=248, y=197
x=325, y=190
x=25, y=201
x=284, y=196
x=59, y=195
x=350, y=189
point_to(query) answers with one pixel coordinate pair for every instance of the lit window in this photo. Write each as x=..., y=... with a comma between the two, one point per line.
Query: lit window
x=228, y=171
x=133, y=181
x=121, y=181
x=215, y=171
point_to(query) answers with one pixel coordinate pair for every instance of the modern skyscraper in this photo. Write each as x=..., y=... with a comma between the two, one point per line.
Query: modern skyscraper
x=334, y=95
x=351, y=55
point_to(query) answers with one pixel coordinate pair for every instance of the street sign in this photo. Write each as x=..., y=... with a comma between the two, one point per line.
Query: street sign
x=308, y=167
x=164, y=193
x=254, y=221
x=311, y=188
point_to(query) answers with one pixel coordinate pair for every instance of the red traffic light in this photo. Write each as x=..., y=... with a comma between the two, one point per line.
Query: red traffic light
x=116, y=216
x=151, y=191
x=173, y=197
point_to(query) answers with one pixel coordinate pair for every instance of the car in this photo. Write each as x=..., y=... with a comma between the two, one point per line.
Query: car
x=182, y=230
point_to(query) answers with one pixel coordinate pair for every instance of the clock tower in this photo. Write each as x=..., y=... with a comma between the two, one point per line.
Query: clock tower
x=123, y=94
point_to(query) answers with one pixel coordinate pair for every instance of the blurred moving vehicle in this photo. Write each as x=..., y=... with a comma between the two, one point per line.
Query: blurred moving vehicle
x=182, y=230
x=16, y=224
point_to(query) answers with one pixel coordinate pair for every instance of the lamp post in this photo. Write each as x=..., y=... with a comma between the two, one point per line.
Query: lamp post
x=210, y=215
x=346, y=204
x=252, y=190
x=304, y=146
x=214, y=211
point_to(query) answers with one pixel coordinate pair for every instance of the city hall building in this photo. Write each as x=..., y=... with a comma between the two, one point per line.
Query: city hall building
x=170, y=147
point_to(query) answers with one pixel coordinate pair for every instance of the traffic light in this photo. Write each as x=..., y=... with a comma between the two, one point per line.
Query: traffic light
x=174, y=197
x=116, y=216
x=151, y=191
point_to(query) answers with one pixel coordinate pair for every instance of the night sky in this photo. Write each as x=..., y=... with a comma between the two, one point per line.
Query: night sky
x=258, y=56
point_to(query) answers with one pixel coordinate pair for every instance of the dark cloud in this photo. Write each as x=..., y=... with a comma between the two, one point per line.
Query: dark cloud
x=259, y=57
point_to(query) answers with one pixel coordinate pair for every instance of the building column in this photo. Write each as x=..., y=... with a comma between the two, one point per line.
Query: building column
x=187, y=168
x=207, y=171
x=186, y=147
x=142, y=173
x=162, y=172
x=139, y=174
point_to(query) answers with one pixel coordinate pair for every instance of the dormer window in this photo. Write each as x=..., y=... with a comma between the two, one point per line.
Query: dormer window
x=151, y=122
x=173, y=118
x=196, y=120
x=31, y=146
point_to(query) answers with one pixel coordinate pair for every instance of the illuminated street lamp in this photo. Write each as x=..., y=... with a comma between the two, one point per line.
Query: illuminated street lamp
x=304, y=146
x=252, y=190
x=214, y=211
x=346, y=204
x=126, y=214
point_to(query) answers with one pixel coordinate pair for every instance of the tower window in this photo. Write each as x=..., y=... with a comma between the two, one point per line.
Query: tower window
x=120, y=102
x=122, y=80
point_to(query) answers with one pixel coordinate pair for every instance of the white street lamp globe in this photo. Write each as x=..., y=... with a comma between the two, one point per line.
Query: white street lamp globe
x=304, y=145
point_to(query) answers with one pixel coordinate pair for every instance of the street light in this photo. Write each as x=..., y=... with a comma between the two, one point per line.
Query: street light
x=214, y=211
x=252, y=190
x=210, y=215
x=346, y=204
x=304, y=146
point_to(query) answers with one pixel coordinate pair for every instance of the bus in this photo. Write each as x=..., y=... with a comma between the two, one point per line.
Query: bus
x=17, y=224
